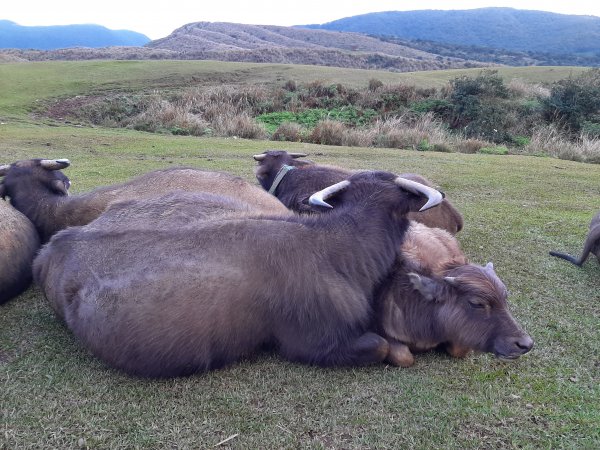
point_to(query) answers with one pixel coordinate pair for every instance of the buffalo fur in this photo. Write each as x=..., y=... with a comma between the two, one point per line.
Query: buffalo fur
x=19, y=243
x=162, y=302
x=591, y=244
x=32, y=190
x=297, y=185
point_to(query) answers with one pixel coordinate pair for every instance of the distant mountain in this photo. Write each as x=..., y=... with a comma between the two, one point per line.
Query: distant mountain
x=504, y=28
x=13, y=35
x=275, y=44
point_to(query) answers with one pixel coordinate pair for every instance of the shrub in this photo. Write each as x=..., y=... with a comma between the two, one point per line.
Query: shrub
x=288, y=131
x=471, y=145
x=328, y=132
x=239, y=125
x=574, y=101
x=374, y=84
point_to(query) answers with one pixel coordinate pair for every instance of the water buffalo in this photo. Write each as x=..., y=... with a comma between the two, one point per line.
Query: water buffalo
x=38, y=189
x=591, y=245
x=276, y=172
x=167, y=301
x=19, y=243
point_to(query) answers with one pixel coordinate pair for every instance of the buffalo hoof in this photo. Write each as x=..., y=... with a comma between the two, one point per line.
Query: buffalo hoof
x=400, y=355
x=456, y=351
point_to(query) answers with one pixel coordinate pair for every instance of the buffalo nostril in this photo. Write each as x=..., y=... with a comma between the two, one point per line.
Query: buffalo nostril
x=525, y=343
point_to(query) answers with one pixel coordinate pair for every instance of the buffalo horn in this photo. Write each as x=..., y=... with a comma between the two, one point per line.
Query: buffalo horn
x=318, y=198
x=451, y=280
x=262, y=156
x=55, y=164
x=434, y=197
x=4, y=169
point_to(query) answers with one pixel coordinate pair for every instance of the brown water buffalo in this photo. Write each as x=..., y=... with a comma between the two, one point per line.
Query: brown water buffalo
x=19, y=243
x=292, y=180
x=38, y=189
x=591, y=244
x=429, y=252
x=166, y=301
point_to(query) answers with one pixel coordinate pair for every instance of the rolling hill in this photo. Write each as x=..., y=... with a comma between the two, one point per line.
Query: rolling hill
x=266, y=43
x=505, y=28
x=13, y=35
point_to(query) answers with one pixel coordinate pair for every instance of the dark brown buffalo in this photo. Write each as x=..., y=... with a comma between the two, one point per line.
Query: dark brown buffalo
x=591, y=245
x=297, y=184
x=166, y=301
x=19, y=243
x=38, y=189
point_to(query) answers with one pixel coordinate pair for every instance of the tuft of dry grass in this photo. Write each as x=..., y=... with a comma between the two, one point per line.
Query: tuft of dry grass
x=548, y=140
x=288, y=131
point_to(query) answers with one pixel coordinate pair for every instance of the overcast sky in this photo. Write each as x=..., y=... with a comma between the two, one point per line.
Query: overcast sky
x=160, y=18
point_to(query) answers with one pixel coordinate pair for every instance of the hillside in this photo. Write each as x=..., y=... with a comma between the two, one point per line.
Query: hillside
x=274, y=44
x=506, y=28
x=13, y=35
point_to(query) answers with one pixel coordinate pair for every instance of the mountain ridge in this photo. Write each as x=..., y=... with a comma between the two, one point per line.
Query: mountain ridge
x=13, y=35
x=494, y=27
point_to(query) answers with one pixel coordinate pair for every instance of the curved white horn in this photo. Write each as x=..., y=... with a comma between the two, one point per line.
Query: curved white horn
x=451, y=280
x=318, y=198
x=434, y=197
x=55, y=164
x=298, y=155
x=259, y=157
x=4, y=169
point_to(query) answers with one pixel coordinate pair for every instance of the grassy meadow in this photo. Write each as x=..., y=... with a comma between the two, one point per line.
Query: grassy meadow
x=53, y=394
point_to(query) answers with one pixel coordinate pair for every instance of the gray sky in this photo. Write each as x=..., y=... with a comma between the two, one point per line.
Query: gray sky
x=158, y=19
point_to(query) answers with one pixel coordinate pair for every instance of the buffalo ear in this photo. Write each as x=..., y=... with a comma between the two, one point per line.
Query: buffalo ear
x=489, y=267
x=424, y=285
x=59, y=187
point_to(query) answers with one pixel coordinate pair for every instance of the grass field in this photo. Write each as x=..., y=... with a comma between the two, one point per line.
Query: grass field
x=55, y=395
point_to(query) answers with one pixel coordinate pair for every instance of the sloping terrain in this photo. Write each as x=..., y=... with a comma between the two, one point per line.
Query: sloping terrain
x=506, y=28
x=266, y=43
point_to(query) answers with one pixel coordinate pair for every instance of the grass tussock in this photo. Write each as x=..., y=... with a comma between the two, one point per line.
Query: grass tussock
x=548, y=141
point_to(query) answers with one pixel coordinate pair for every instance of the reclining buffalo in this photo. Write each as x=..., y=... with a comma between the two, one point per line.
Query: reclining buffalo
x=277, y=174
x=39, y=189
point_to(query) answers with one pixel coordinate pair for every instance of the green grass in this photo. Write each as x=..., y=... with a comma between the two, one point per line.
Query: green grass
x=516, y=208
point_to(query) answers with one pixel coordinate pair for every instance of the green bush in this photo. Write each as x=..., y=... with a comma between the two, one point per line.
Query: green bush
x=574, y=101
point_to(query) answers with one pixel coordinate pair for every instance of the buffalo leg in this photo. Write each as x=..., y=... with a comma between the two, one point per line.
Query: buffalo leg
x=366, y=349
x=400, y=355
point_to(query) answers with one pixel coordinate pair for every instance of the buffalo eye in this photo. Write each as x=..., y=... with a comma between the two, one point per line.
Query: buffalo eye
x=476, y=305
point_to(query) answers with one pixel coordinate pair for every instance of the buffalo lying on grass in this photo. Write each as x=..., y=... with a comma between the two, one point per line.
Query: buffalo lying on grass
x=434, y=296
x=160, y=302
x=591, y=244
x=38, y=189
x=276, y=173
x=19, y=243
